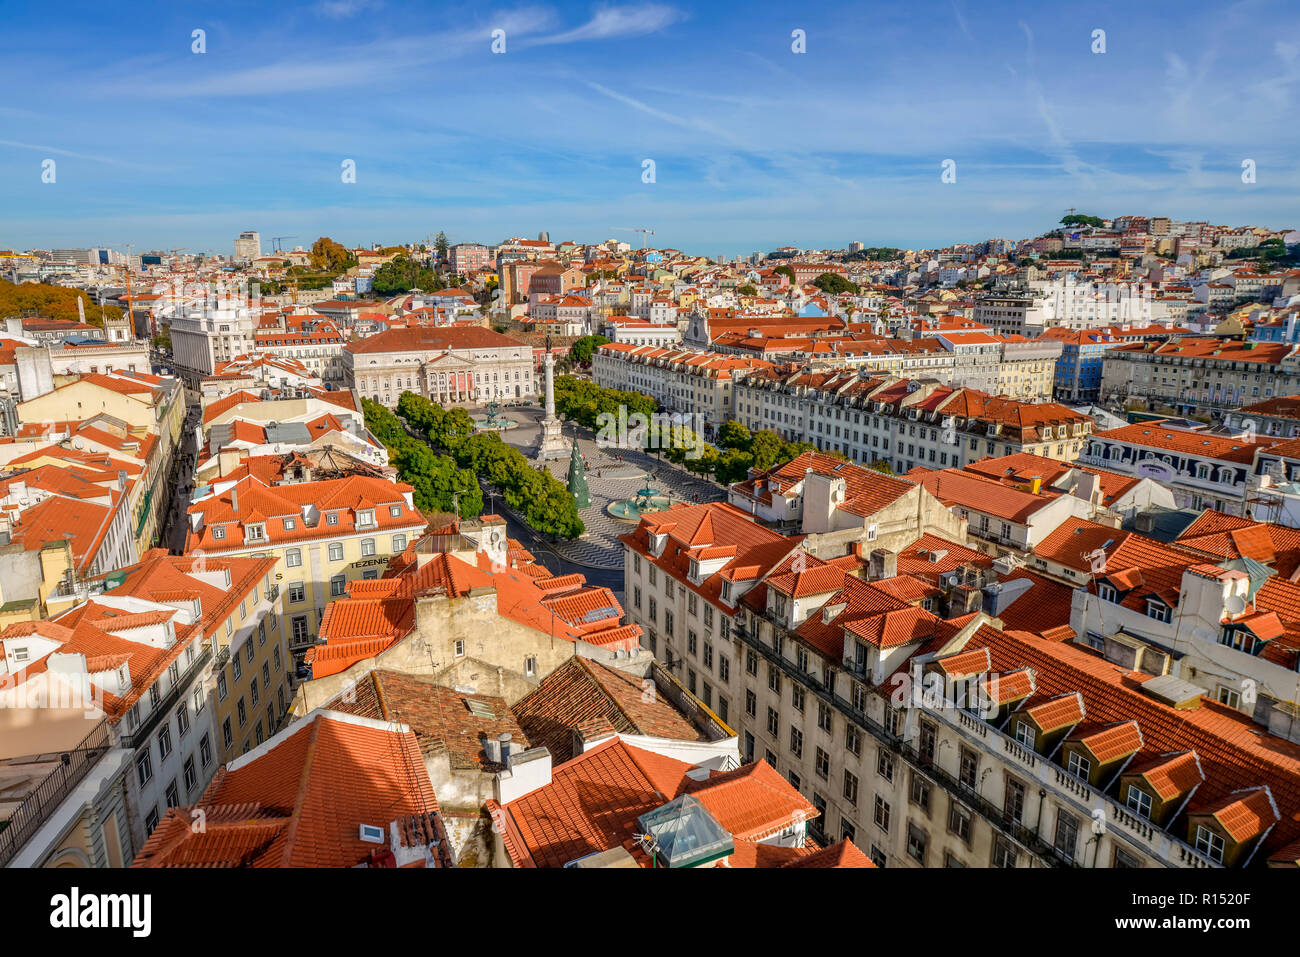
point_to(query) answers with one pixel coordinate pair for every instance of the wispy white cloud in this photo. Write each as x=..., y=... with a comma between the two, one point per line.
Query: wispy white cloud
x=344, y=9
x=57, y=151
x=961, y=21
x=614, y=23
x=353, y=65
x=696, y=124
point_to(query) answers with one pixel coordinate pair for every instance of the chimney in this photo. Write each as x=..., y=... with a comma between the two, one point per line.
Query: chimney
x=883, y=564
x=234, y=499
x=1088, y=488
x=1144, y=523
x=492, y=748
x=526, y=772
x=503, y=745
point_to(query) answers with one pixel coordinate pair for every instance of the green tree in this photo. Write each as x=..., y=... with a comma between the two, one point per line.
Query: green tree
x=1078, y=219
x=834, y=284
x=746, y=290
x=734, y=435
x=766, y=448
x=402, y=275
x=733, y=465
x=440, y=480
x=441, y=245
x=706, y=464
x=785, y=271
x=584, y=348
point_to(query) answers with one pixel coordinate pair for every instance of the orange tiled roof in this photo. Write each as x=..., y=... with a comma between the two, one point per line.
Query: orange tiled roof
x=302, y=797
x=593, y=802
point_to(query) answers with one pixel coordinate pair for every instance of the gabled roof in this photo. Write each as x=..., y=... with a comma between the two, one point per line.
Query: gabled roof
x=303, y=796
x=445, y=721
x=593, y=802
x=586, y=696
x=867, y=491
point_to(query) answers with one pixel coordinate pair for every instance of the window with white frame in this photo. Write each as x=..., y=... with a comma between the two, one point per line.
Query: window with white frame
x=1209, y=844
x=1138, y=801
x=1159, y=610
x=1078, y=765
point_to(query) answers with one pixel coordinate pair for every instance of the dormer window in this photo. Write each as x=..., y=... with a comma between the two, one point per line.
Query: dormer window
x=1026, y=734
x=331, y=518
x=255, y=533
x=1106, y=592
x=365, y=517
x=218, y=532
x=290, y=524
x=778, y=605
x=1159, y=610
x=1209, y=844
x=1139, y=802
x=1078, y=765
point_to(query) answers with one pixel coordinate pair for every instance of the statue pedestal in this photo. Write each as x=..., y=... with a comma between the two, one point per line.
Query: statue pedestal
x=550, y=444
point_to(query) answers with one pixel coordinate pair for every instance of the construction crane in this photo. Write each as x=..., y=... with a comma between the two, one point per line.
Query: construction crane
x=275, y=242
x=644, y=231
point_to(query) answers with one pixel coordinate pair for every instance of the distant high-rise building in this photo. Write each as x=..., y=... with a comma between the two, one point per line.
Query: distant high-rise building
x=248, y=245
x=856, y=247
x=544, y=237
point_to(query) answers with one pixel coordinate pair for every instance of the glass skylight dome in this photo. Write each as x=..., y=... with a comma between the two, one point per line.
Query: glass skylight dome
x=685, y=834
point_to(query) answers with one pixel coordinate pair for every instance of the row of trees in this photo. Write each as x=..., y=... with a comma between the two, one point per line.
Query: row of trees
x=49, y=302
x=835, y=284
x=874, y=253
x=1269, y=254
x=402, y=274
x=543, y=501
x=1079, y=219
x=736, y=452
x=582, y=401
x=583, y=349
x=440, y=484
x=739, y=450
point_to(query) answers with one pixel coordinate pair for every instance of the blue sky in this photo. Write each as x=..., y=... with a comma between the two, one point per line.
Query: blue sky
x=755, y=146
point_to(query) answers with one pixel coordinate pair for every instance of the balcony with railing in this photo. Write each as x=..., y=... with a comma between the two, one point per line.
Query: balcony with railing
x=43, y=800
x=167, y=703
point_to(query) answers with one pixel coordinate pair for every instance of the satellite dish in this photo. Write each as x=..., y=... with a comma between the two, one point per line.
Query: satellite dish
x=1234, y=605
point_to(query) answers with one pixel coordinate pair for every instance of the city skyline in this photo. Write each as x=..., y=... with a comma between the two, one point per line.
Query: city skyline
x=754, y=146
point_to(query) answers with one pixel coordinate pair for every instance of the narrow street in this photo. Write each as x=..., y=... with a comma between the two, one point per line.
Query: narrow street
x=173, y=532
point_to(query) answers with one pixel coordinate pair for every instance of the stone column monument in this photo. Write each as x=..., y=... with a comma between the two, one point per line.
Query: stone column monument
x=550, y=444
